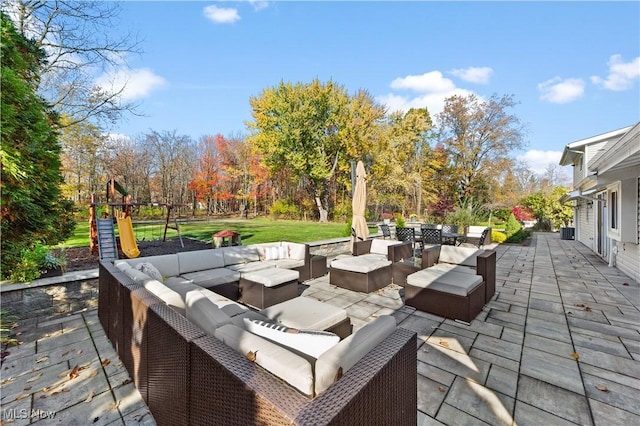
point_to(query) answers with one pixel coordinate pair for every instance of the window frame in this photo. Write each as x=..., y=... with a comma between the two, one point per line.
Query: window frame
x=614, y=204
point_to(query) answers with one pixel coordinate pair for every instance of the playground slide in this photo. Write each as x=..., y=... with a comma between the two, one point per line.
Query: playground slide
x=127, y=238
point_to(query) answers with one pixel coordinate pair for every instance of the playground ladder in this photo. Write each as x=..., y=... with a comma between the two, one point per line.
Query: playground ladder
x=107, y=246
x=175, y=226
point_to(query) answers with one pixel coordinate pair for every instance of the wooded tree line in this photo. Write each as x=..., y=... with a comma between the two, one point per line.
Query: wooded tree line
x=298, y=150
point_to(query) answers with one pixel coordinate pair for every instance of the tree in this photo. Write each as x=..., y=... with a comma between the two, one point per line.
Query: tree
x=30, y=184
x=313, y=130
x=479, y=136
x=77, y=37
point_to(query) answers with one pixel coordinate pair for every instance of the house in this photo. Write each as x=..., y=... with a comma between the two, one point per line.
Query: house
x=606, y=195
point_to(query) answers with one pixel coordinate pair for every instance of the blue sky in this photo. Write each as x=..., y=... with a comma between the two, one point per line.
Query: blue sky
x=574, y=67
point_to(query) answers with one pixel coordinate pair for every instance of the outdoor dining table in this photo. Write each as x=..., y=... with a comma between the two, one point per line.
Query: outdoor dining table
x=451, y=236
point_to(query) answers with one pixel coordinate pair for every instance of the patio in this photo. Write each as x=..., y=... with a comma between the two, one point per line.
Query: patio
x=559, y=344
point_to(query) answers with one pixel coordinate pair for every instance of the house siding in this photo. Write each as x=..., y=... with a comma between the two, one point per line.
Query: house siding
x=628, y=259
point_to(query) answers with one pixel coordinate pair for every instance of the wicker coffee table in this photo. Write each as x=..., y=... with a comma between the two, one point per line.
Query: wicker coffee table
x=268, y=287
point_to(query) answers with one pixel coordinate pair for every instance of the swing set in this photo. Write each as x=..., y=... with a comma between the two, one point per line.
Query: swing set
x=102, y=239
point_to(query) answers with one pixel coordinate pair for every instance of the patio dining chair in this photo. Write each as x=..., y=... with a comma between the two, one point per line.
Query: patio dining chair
x=407, y=234
x=450, y=229
x=431, y=236
x=386, y=232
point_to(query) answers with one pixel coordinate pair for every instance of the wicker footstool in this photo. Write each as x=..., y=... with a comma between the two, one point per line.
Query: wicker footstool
x=267, y=287
x=306, y=313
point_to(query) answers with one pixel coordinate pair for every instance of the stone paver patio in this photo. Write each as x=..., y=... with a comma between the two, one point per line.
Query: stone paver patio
x=559, y=344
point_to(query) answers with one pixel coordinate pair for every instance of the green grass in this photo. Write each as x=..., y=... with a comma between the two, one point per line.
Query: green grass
x=252, y=231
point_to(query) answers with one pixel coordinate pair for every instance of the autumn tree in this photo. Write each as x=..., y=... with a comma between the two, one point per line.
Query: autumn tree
x=478, y=135
x=79, y=41
x=32, y=210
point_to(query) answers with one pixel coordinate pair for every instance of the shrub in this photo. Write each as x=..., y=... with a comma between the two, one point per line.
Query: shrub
x=462, y=217
x=498, y=237
x=400, y=220
x=34, y=261
x=519, y=236
x=283, y=209
x=512, y=226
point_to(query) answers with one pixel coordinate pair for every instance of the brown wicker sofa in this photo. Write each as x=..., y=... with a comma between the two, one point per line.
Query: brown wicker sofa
x=454, y=282
x=188, y=377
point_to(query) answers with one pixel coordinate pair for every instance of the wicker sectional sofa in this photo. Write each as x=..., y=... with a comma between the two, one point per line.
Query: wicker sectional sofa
x=173, y=338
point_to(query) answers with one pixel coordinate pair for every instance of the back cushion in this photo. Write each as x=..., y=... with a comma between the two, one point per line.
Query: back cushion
x=379, y=246
x=204, y=313
x=348, y=352
x=170, y=297
x=167, y=264
x=240, y=254
x=296, y=250
x=264, y=249
x=192, y=261
x=466, y=256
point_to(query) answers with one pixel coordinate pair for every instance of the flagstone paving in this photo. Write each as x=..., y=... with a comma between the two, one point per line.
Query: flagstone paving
x=559, y=344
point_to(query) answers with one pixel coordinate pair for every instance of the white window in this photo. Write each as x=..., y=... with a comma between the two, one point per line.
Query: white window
x=614, y=204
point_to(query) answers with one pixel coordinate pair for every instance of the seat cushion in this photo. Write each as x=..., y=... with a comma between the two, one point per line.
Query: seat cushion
x=458, y=283
x=228, y=306
x=243, y=268
x=311, y=342
x=305, y=313
x=285, y=364
x=348, y=352
x=213, y=277
x=272, y=277
x=170, y=297
x=363, y=264
x=450, y=267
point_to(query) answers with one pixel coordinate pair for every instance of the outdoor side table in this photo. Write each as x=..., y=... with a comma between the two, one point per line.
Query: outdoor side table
x=318, y=266
x=400, y=270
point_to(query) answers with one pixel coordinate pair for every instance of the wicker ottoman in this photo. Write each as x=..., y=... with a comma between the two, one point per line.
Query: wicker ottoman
x=306, y=313
x=267, y=287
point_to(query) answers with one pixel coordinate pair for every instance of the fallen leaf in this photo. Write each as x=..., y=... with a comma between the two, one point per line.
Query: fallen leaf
x=588, y=309
x=34, y=378
x=43, y=396
x=90, y=397
x=441, y=389
x=115, y=405
x=74, y=373
x=106, y=362
x=626, y=284
x=444, y=343
x=126, y=382
x=60, y=391
x=251, y=356
x=79, y=351
x=65, y=353
x=575, y=356
x=602, y=388
x=93, y=373
x=580, y=305
x=42, y=359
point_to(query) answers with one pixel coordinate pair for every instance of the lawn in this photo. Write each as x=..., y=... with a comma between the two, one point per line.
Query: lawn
x=252, y=231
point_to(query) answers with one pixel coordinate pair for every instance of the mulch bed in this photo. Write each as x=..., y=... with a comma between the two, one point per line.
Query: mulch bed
x=81, y=259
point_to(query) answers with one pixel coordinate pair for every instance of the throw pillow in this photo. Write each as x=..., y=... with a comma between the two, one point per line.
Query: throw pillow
x=272, y=253
x=283, y=252
x=310, y=342
x=150, y=270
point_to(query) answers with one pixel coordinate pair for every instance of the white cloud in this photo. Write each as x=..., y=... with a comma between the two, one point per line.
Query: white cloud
x=258, y=5
x=479, y=75
x=538, y=161
x=221, y=15
x=135, y=84
x=621, y=74
x=559, y=91
x=428, y=82
x=434, y=102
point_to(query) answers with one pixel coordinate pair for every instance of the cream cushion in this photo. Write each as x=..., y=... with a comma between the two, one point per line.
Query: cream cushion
x=191, y=261
x=380, y=246
x=305, y=313
x=363, y=264
x=149, y=269
x=272, y=277
x=239, y=254
x=167, y=264
x=227, y=305
x=170, y=297
x=458, y=283
x=311, y=342
x=348, y=352
x=290, y=367
x=204, y=313
x=450, y=267
x=296, y=251
x=459, y=255
x=243, y=268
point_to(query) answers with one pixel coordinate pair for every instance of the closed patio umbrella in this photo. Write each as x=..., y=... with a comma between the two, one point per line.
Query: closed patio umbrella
x=359, y=229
